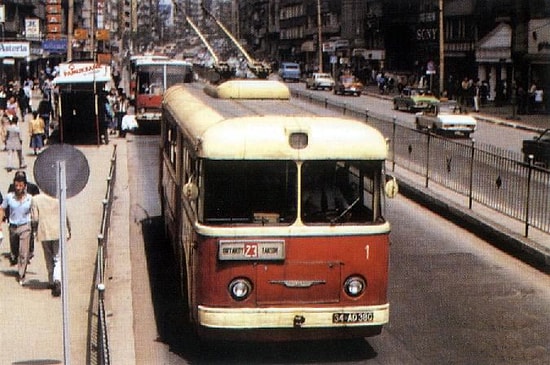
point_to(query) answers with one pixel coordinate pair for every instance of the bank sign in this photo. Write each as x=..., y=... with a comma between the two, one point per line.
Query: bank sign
x=15, y=49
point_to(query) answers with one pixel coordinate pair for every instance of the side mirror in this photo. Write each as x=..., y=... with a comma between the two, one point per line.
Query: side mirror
x=391, y=188
x=190, y=191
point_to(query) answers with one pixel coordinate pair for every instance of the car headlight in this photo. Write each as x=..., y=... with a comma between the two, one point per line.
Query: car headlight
x=354, y=286
x=240, y=288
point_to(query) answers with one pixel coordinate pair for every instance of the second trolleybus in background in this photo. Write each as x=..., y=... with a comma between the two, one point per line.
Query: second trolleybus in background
x=150, y=77
x=275, y=215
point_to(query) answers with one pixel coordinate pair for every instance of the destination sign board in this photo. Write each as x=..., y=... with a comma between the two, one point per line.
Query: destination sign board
x=251, y=249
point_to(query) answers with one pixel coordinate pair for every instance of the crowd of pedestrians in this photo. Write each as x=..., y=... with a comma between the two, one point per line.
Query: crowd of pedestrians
x=119, y=114
x=26, y=214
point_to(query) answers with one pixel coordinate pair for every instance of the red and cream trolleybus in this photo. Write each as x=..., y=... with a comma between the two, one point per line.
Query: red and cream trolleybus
x=275, y=214
x=150, y=77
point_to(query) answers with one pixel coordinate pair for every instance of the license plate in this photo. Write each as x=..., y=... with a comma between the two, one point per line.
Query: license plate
x=353, y=317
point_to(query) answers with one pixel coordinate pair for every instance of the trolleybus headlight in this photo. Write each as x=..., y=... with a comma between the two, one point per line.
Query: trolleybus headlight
x=240, y=288
x=355, y=286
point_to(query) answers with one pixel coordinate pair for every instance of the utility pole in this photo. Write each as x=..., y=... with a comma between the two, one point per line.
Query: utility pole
x=441, y=50
x=70, y=21
x=319, y=36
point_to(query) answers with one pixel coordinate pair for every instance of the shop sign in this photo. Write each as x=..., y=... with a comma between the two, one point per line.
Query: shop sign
x=32, y=28
x=329, y=47
x=426, y=34
x=80, y=34
x=83, y=72
x=102, y=34
x=15, y=49
x=55, y=45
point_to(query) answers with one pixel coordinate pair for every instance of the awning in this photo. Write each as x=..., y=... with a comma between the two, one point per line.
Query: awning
x=495, y=47
x=84, y=72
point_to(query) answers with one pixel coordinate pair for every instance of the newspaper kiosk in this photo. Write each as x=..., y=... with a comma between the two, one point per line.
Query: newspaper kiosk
x=79, y=102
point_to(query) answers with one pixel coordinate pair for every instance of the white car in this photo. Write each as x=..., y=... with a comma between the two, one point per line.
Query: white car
x=446, y=118
x=320, y=81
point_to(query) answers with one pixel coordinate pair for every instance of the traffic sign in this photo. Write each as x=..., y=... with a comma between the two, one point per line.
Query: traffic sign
x=77, y=169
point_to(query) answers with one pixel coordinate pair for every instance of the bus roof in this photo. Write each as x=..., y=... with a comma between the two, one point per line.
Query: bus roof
x=246, y=129
x=249, y=89
x=146, y=61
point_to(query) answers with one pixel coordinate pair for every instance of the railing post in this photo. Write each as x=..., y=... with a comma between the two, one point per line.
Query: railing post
x=428, y=159
x=394, y=132
x=470, y=193
x=528, y=198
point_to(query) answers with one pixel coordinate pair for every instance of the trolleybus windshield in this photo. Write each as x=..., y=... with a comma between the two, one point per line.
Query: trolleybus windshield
x=151, y=78
x=266, y=192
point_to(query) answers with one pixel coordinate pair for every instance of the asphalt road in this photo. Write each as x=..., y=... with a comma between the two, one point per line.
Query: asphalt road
x=455, y=299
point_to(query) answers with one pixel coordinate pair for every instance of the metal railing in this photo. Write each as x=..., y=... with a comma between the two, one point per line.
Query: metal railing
x=98, y=343
x=496, y=178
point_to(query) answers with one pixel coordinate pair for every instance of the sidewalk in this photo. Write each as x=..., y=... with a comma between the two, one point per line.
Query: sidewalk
x=32, y=320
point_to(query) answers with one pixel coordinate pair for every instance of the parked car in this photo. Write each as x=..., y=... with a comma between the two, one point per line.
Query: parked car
x=414, y=99
x=446, y=118
x=348, y=84
x=320, y=81
x=539, y=148
x=290, y=71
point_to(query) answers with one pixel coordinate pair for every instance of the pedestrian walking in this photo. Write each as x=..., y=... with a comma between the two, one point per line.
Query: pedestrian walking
x=33, y=190
x=539, y=100
x=3, y=98
x=108, y=116
x=4, y=124
x=476, y=95
x=45, y=112
x=122, y=108
x=45, y=222
x=19, y=219
x=14, y=144
x=12, y=107
x=37, y=130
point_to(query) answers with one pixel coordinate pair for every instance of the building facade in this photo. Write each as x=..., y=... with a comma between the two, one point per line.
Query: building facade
x=501, y=42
